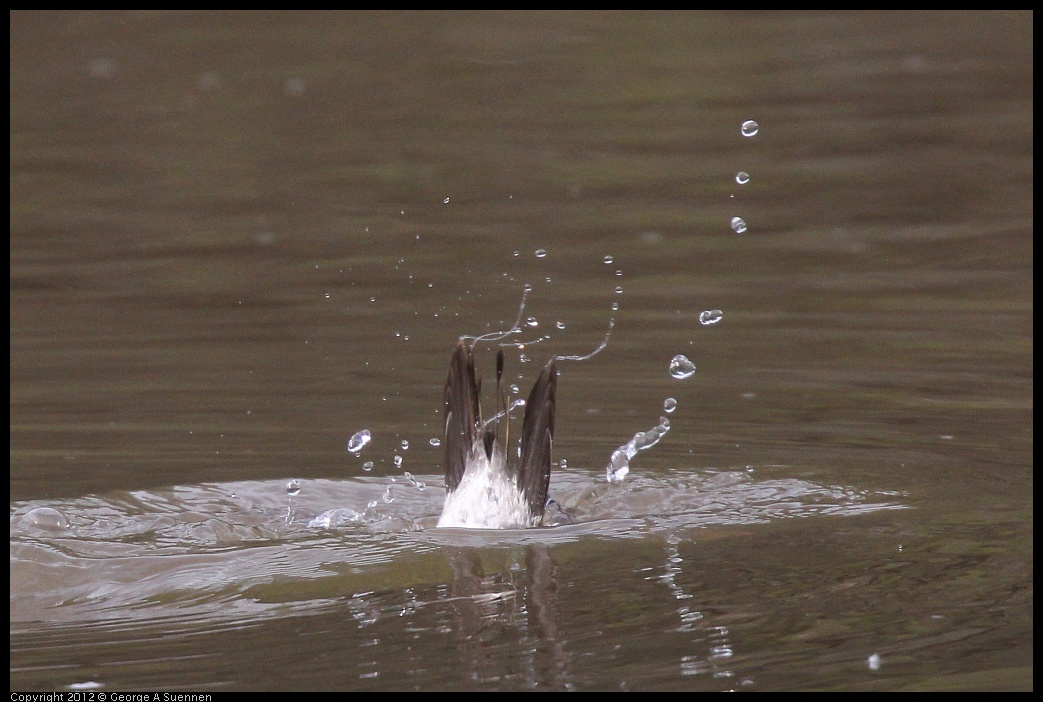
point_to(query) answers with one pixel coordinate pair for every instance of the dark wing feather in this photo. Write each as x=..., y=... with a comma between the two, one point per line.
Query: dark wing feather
x=461, y=414
x=537, y=440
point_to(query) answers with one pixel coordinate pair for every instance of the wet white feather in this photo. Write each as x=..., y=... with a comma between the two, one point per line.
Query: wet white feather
x=487, y=497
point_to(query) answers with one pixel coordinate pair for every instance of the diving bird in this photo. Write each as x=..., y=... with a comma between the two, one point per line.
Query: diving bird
x=489, y=486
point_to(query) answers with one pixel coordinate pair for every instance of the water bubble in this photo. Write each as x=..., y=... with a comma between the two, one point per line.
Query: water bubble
x=681, y=367
x=708, y=317
x=669, y=405
x=358, y=440
x=435, y=441
x=46, y=518
x=742, y=178
x=540, y=253
x=293, y=487
x=738, y=225
x=367, y=466
x=750, y=128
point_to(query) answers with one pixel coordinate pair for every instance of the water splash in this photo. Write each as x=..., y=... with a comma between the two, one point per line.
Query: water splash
x=619, y=464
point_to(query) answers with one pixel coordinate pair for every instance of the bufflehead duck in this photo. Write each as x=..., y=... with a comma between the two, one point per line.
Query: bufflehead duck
x=486, y=488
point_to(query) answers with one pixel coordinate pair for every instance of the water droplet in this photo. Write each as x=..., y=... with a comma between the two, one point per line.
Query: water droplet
x=560, y=325
x=681, y=367
x=540, y=253
x=293, y=487
x=750, y=128
x=532, y=322
x=614, y=306
x=367, y=466
x=742, y=178
x=669, y=405
x=608, y=260
x=563, y=463
x=619, y=290
x=388, y=497
x=397, y=461
x=515, y=389
x=708, y=317
x=445, y=201
x=738, y=225
x=405, y=445
x=435, y=441
x=358, y=440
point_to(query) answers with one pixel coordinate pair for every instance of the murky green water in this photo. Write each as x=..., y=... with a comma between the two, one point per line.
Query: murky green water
x=236, y=239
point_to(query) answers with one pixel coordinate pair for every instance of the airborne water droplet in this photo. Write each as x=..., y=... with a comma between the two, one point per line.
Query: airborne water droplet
x=681, y=367
x=358, y=440
x=708, y=317
x=742, y=178
x=669, y=405
x=738, y=225
x=750, y=128
x=293, y=487
x=540, y=253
